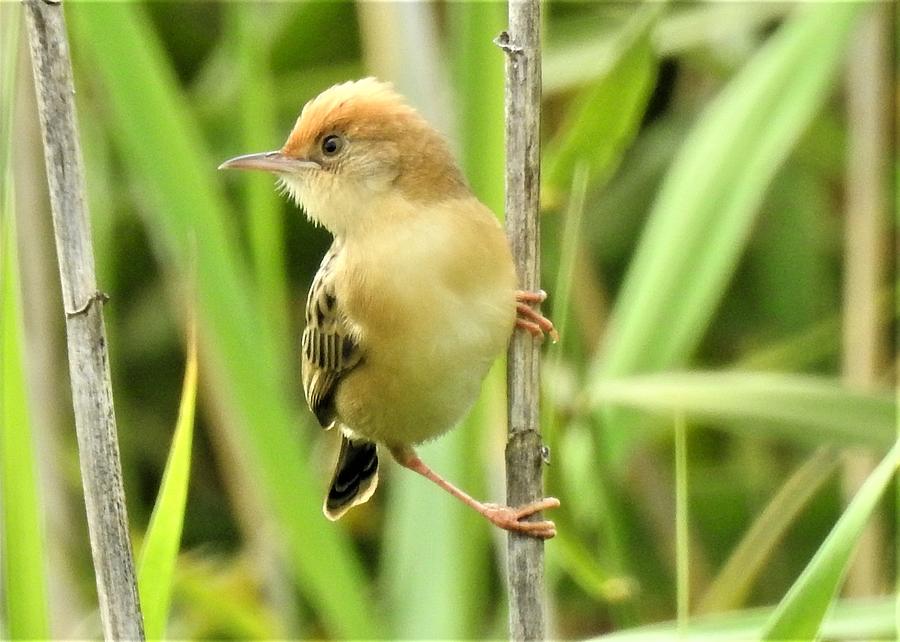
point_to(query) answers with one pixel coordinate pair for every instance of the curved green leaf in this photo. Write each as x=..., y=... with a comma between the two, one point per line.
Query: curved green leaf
x=265, y=219
x=605, y=116
x=700, y=222
x=738, y=575
x=871, y=619
x=156, y=567
x=23, y=554
x=792, y=406
x=800, y=614
x=22, y=550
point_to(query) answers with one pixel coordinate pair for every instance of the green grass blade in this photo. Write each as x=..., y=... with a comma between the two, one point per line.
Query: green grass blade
x=478, y=77
x=23, y=554
x=809, y=347
x=800, y=614
x=156, y=568
x=579, y=51
x=597, y=128
x=586, y=570
x=9, y=50
x=695, y=26
x=734, y=581
x=700, y=222
x=799, y=352
x=221, y=594
x=608, y=579
x=257, y=114
x=869, y=619
x=168, y=161
x=605, y=117
x=454, y=547
x=797, y=407
x=682, y=535
x=571, y=240
x=22, y=551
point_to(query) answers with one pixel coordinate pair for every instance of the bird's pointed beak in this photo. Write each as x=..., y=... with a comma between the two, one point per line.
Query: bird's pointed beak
x=276, y=161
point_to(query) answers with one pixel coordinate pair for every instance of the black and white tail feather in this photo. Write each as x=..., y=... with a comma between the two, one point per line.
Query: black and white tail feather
x=355, y=477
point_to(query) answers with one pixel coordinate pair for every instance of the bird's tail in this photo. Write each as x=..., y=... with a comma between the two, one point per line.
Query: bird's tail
x=355, y=477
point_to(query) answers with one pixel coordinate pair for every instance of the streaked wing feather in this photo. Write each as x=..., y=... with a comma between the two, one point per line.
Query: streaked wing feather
x=329, y=350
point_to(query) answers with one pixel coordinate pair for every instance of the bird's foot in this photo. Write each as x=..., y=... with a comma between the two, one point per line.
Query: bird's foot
x=503, y=516
x=530, y=319
x=510, y=519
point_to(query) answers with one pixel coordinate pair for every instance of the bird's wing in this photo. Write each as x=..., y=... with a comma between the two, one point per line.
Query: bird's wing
x=329, y=350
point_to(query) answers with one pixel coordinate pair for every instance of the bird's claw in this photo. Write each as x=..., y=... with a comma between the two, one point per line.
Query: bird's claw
x=526, y=296
x=510, y=519
x=530, y=319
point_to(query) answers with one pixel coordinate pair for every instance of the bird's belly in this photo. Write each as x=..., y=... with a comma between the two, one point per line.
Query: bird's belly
x=401, y=414
x=419, y=383
x=434, y=305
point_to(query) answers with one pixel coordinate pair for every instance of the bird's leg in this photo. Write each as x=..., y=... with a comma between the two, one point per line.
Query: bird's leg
x=530, y=319
x=505, y=517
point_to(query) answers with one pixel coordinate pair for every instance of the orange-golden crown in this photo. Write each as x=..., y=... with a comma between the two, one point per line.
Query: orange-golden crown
x=383, y=134
x=366, y=108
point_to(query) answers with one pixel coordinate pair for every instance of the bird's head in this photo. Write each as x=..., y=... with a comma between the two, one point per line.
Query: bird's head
x=354, y=144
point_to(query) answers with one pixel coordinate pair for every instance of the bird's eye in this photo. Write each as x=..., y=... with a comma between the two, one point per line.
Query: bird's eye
x=332, y=144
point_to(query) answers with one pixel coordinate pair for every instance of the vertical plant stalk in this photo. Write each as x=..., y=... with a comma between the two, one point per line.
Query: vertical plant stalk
x=525, y=555
x=88, y=360
x=866, y=234
x=682, y=520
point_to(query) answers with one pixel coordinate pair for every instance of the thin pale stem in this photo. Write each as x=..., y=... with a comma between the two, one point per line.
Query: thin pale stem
x=525, y=555
x=95, y=425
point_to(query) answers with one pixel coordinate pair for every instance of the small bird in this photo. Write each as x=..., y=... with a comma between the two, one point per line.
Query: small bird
x=416, y=296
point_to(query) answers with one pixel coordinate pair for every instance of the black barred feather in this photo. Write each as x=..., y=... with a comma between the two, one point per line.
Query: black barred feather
x=328, y=348
x=355, y=477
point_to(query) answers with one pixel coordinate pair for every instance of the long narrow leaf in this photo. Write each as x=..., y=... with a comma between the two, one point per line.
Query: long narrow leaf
x=701, y=220
x=734, y=581
x=800, y=614
x=22, y=551
x=605, y=116
x=586, y=570
x=792, y=406
x=682, y=522
x=265, y=224
x=570, y=245
x=156, y=568
x=871, y=619
x=216, y=591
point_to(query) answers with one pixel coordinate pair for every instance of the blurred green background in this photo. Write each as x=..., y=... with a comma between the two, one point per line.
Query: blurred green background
x=719, y=215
